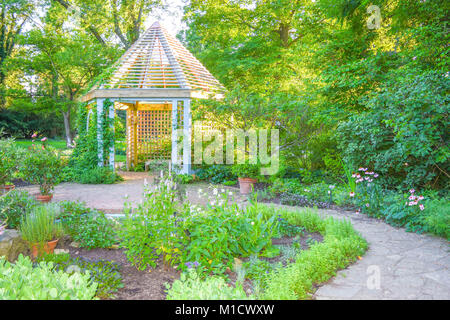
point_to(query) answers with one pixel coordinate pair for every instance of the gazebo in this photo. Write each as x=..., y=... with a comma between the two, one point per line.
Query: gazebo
x=154, y=81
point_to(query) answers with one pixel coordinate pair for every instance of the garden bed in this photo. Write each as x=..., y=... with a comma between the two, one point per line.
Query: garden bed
x=138, y=285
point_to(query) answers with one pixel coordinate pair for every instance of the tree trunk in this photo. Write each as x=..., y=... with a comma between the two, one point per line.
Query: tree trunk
x=69, y=141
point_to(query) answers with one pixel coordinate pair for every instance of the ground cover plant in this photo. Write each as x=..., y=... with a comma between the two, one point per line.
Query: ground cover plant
x=23, y=281
x=105, y=273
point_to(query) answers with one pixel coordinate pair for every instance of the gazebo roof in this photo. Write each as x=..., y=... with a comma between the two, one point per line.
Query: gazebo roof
x=157, y=65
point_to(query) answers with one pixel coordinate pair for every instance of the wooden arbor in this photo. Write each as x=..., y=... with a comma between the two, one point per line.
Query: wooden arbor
x=154, y=81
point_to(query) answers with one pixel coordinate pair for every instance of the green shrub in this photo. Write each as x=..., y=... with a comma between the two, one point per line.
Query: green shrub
x=191, y=287
x=437, y=217
x=105, y=273
x=41, y=166
x=8, y=160
x=246, y=170
x=22, y=281
x=90, y=228
x=14, y=205
x=216, y=174
x=183, y=178
x=99, y=175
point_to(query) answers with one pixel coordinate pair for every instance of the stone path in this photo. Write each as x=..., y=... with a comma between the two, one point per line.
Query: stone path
x=398, y=264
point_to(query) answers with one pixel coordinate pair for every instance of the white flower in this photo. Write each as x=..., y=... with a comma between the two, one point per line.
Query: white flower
x=230, y=193
x=215, y=191
x=253, y=223
x=331, y=187
x=223, y=190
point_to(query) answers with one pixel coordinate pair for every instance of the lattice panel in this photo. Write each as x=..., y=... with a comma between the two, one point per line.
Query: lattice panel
x=154, y=134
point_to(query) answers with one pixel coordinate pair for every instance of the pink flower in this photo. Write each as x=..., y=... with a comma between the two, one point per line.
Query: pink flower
x=43, y=147
x=362, y=169
x=412, y=191
x=412, y=198
x=421, y=198
x=352, y=194
x=367, y=205
x=421, y=207
x=34, y=135
x=375, y=175
x=44, y=139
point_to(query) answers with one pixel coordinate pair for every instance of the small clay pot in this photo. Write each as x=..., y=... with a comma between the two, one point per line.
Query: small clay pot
x=48, y=247
x=246, y=185
x=43, y=198
x=8, y=187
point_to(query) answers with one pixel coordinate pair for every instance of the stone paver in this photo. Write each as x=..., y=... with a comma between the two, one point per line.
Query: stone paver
x=409, y=265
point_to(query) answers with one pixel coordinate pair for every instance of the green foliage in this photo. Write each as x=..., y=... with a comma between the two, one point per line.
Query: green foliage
x=216, y=174
x=341, y=245
x=99, y=175
x=14, y=205
x=9, y=161
x=40, y=226
x=23, y=281
x=153, y=228
x=183, y=178
x=246, y=170
x=88, y=227
x=402, y=134
x=184, y=234
x=42, y=166
x=83, y=164
x=437, y=217
x=105, y=273
x=191, y=287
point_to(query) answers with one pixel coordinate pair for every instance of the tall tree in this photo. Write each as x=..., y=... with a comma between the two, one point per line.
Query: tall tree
x=111, y=20
x=13, y=16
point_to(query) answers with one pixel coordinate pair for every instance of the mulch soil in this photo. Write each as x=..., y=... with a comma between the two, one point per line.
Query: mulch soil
x=138, y=285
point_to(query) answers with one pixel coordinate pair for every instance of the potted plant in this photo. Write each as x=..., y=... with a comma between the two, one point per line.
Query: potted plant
x=40, y=229
x=8, y=164
x=247, y=176
x=42, y=165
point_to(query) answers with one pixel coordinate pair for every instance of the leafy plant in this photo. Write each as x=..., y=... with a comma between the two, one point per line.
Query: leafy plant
x=41, y=166
x=246, y=170
x=105, y=273
x=183, y=178
x=23, y=281
x=8, y=160
x=88, y=227
x=191, y=287
x=14, y=205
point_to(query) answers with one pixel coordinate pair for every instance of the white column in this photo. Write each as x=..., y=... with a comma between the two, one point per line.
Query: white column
x=174, y=134
x=100, y=131
x=112, y=150
x=187, y=128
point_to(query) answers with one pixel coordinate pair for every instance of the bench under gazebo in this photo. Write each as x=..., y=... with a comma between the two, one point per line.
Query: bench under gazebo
x=154, y=81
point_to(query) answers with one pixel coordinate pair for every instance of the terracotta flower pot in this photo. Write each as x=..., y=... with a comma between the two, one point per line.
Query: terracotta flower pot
x=7, y=187
x=43, y=198
x=246, y=185
x=48, y=247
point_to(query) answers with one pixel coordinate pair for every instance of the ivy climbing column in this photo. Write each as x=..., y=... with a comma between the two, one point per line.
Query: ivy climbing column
x=187, y=127
x=100, y=131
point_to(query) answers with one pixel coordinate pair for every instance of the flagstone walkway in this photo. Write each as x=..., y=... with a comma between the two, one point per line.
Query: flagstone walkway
x=398, y=264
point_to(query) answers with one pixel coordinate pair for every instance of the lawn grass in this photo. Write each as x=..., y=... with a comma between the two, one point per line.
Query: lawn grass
x=55, y=143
